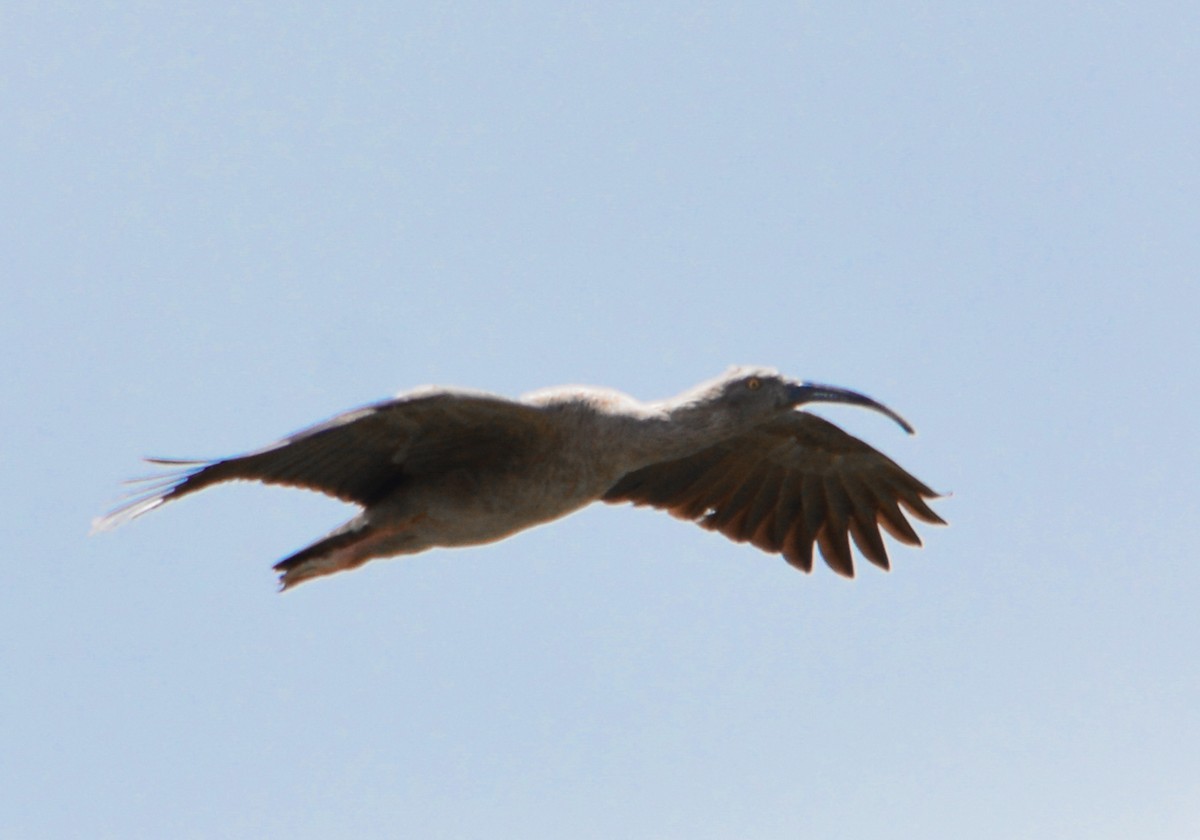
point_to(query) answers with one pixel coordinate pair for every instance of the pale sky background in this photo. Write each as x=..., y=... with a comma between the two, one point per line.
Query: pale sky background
x=225, y=222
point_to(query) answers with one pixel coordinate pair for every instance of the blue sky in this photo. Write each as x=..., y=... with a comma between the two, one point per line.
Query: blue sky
x=224, y=223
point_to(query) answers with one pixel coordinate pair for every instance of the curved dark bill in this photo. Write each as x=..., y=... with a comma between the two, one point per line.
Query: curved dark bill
x=808, y=392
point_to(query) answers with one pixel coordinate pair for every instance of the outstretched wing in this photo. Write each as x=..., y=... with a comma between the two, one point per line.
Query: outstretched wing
x=789, y=483
x=361, y=455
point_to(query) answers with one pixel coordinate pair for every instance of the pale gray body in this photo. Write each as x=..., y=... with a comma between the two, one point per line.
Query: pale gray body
x=441, y=468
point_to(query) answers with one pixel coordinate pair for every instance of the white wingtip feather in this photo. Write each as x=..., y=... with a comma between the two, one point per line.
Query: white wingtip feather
x=125, y=513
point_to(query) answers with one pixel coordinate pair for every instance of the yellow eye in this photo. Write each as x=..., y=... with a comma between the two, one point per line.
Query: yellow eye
x=754, y=383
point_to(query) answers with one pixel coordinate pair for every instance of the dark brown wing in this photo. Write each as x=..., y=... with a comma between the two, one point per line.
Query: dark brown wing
x=360, y=455
x=787, y=484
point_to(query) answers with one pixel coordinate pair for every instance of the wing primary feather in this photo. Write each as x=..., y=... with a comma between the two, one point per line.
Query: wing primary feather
x=798, y=548
x=762, y=507
x=814, y=504
x=151, y=492
x=833, y=538
x=869, y=542
x=918, y=508
x=788, y=508
x=894, y=522
x=864, y=525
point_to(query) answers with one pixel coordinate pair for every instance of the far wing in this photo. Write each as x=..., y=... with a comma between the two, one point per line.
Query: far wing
x=787, y=484
x=360, y=455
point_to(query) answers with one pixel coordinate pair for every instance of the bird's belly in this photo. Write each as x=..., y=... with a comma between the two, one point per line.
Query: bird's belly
x=463, y=510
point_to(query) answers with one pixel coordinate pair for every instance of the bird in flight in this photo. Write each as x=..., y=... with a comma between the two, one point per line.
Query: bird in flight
x=442, y=467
